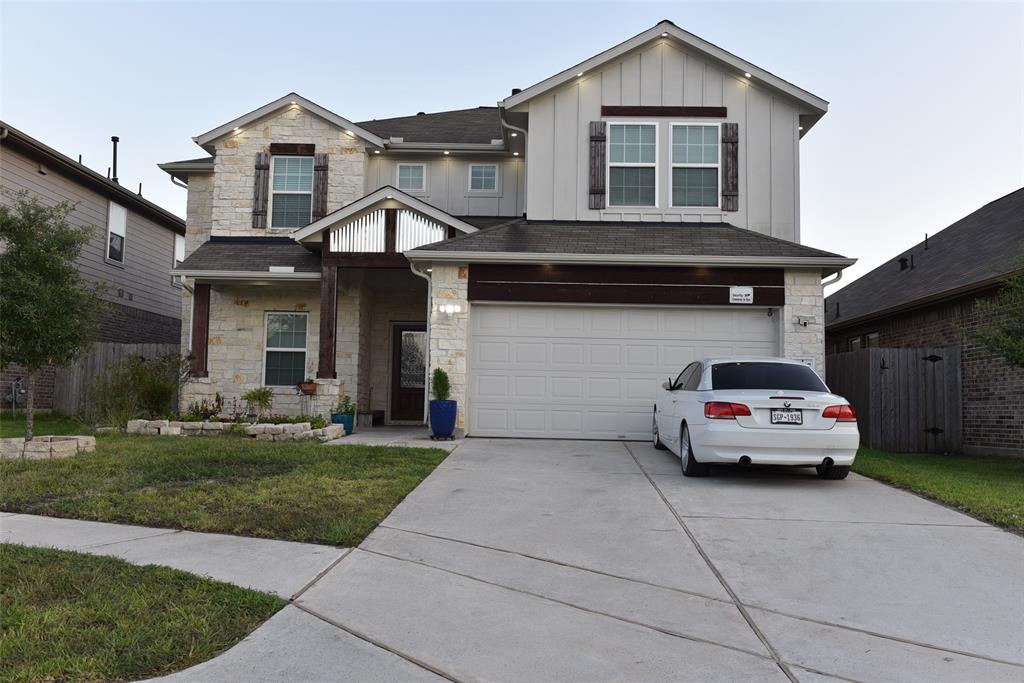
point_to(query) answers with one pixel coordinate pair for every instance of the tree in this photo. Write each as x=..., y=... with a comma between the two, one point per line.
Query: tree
x=1002, y=320
x=48, y=313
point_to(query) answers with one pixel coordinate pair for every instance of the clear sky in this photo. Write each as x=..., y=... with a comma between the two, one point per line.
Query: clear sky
x=926, y=121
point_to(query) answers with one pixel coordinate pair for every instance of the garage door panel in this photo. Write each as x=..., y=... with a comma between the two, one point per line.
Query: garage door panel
x=591, y=372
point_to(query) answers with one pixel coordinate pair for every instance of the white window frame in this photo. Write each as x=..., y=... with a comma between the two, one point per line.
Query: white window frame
x=672, y=164
x=123, y=235
x=271, y=193
x=398, y=172
x=469, y=178
x=178, y=239
x=608, y=165
x=267, y=349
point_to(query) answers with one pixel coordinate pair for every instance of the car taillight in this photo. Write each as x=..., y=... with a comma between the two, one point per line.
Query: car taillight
x=720, y=410
x=841, y=413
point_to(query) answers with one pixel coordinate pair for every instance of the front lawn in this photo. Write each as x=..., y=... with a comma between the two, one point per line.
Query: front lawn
x=72, y=617
x=12, y=425
x=990, y=488
x=287, y=490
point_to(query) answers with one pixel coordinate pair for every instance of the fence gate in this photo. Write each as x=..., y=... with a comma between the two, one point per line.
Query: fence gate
x=71, y=384
x=907, y=400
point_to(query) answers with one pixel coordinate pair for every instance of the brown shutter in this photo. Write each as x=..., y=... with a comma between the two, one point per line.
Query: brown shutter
x=260, y=190
x=597, y=152
x=319, y=185
x=730, y=167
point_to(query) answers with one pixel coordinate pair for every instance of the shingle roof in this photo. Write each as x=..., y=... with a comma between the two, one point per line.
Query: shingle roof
x=479, y=125
x=977, y=248
x=612, y=238
x=251, y=254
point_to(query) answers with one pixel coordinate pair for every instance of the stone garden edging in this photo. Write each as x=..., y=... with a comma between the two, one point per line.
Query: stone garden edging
x=46, y=447
x=301, y=431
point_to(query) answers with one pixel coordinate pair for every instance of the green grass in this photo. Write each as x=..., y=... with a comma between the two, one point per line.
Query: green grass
x=45, y=424
x=71, y=617
x=287, y=490
x=990, y=488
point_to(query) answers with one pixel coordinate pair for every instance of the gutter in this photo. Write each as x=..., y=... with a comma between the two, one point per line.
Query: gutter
x=245, y=275
x=837, y=263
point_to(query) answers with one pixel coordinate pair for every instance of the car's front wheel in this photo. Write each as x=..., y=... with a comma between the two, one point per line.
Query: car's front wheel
x=656, y=437
x=833, y=471
x=691, y=468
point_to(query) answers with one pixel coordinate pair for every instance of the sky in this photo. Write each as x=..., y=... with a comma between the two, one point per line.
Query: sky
x=925, y=124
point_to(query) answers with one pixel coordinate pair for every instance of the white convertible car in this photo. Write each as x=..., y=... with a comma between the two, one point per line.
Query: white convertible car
x=765, y=411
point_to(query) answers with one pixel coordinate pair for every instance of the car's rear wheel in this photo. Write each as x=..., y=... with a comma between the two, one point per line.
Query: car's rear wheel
x=656, y=437
x=691, y=468
x=833, y=471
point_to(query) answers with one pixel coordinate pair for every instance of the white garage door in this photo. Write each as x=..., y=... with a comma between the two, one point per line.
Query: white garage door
x=591, y=372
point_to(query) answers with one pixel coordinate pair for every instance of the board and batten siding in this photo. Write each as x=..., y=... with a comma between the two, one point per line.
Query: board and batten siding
x=149, y=247
x=447, y=183
x=665, y=75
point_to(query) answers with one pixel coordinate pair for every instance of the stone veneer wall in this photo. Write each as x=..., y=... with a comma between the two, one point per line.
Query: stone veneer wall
x=235, y=160
x=449, y=334
x=238, y=335
x=198, y=211
x=804, y=297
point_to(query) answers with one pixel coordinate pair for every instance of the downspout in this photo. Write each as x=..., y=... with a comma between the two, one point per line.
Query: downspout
x=179, y=183
x=426, y=366
x=838, y=276
x=506, y=124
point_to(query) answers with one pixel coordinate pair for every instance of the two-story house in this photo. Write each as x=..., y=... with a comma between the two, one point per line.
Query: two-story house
x=134, y=243
x=559, y=254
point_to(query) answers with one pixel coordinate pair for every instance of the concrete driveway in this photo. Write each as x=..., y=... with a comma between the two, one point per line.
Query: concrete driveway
x=591, y=561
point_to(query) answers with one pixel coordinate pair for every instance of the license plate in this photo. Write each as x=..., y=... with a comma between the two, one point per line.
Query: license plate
x=782, y=416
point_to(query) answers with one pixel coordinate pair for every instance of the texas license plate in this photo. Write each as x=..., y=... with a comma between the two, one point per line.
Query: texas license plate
x=782, y=416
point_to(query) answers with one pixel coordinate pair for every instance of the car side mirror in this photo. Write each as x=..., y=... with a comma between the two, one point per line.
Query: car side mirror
x=667, y=386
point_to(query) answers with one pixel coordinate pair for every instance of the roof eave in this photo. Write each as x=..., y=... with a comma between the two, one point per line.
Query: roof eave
x=828, y=265
x=655, y=32
x=246, y=275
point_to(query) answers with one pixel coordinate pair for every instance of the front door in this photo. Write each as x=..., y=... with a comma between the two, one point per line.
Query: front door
x=408, y=370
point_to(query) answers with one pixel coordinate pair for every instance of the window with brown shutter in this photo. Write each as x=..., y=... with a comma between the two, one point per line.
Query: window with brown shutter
x=319, y=185
x=730, y=167
x=597, y=164
x=261, y=190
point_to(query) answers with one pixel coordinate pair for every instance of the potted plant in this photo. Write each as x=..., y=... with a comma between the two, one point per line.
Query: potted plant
x=344, y=414
x=442, y=411
x=307, y=387
x=258, y=402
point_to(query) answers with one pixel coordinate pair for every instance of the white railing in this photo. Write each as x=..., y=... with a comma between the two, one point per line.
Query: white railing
x=415, y=230
x=364, y=234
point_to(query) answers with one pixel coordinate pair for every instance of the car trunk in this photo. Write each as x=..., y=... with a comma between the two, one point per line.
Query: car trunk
x=762, y=403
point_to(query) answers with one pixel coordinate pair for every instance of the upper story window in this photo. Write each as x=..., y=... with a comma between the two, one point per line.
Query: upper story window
x=117, y=230
x=412, y=177
x=483, y=177
x=695, y=165
x=291, y=195
x=632, y=164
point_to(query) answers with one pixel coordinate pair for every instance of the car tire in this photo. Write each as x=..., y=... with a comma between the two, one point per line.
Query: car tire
x=691, y=468
x=833, y=471
x=657, y=437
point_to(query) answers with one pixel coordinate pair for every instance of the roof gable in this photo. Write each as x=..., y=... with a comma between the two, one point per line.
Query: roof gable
x=289, y=100
x=666, y=30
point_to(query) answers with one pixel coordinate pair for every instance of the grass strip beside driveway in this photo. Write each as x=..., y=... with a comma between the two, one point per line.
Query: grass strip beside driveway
x=285, y=490
x=990, y=488
x=71, y=617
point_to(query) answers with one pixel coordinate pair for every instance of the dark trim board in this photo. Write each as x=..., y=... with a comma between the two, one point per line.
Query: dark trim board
x=366, y=260
x=688, y=112
x=623, y=285
x=292, y=149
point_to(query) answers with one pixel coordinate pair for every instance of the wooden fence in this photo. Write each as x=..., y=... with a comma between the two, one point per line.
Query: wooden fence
x=907, y=400
x=72, y=384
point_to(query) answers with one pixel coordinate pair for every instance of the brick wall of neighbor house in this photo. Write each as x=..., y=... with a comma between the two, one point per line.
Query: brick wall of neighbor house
x=449, y=334
x=234, y=166
x=44, y=386
x=126, y=325
x=804, y=298
x=993, y=391
x=238, y=335
x=198, y=211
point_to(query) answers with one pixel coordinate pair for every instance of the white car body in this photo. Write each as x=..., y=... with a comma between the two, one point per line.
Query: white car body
x=753, y=438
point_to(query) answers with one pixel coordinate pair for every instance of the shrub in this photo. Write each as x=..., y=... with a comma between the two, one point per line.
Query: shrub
x=258, y=400
x=135, y=387
x=345, y=406
x=440, y=385
x=206, y=408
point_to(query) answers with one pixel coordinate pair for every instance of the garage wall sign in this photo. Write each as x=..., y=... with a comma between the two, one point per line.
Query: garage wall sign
x=741, y=295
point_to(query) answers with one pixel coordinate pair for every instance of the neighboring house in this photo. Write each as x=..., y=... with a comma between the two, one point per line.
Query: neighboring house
x=135, y=243
x=927, y=297
x=557, y=255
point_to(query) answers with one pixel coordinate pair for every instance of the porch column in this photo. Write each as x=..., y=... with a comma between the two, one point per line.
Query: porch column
x=200, y=329
x=328, y=314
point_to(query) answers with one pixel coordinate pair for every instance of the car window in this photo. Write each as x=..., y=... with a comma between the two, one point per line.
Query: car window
x=693, y=381
x=683, y=376
x=762, y=375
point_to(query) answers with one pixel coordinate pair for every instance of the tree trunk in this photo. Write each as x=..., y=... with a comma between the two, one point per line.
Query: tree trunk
x=30, y=397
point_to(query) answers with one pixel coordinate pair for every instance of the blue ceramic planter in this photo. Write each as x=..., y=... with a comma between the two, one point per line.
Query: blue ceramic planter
x=342, y=419
x=442, y=418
